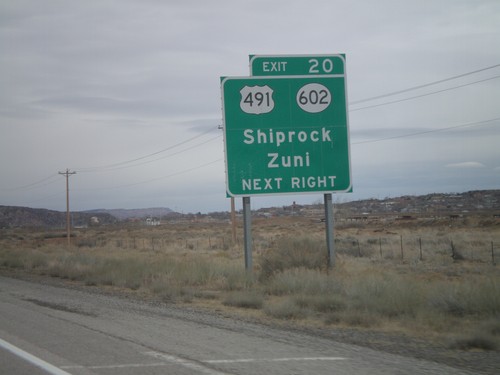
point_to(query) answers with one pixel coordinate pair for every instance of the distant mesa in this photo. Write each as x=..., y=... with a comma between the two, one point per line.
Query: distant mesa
x=25, y=217
x=137, y=213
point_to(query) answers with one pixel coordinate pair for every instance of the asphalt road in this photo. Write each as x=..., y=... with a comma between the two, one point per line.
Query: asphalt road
x=57, y=330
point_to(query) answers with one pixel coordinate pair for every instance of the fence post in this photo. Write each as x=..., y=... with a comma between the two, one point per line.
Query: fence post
x=420, y=245
x=402, y=253
x=493, y=254
x=380, y=246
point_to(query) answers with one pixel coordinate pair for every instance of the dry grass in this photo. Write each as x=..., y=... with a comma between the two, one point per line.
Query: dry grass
x=400, y=278
x=244, y=299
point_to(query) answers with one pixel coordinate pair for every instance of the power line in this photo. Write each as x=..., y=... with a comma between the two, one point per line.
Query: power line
x=422, y=86
x=177, y=152
x=177, y=173
x=478, y=123
x=34, y=185
x=117, y=164
x=46, y=197
x=163, y=157
x=157, y=178
x=422, y=95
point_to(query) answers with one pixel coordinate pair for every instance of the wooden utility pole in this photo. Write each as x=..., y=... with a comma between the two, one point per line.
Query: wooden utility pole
x=68, y=223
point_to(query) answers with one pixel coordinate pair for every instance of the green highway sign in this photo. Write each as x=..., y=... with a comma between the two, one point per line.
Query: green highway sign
x=286, y=134
x=296, y=65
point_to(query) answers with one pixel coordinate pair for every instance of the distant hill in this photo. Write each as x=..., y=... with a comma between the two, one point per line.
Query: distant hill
x=479, y=201
x=472, y=202
x=140, y=213
x=15, y=217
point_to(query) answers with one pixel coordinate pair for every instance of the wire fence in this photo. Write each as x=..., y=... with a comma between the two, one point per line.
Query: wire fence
x=420, y=248
x=395, y=247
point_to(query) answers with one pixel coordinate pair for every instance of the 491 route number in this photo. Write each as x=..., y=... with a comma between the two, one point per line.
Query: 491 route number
x=256, y=99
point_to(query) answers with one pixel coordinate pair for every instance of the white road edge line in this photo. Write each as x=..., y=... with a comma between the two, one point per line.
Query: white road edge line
x=51, y=369
x=130, y=365
x=275, y=359
x=185, y=363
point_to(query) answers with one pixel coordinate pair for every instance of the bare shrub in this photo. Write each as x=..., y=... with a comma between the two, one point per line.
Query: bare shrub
x=321, y=303
x=290, y=253
x=87, y=242
x=11, y=259
x=386, y=294
x=286, y=309
x=234, y=277
x=474, y=341
x=301, y=281
x=460, y=298
x=357, y=318
x=244, y=299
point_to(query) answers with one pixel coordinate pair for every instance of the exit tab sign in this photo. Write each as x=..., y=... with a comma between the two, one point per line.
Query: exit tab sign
x=297, y=65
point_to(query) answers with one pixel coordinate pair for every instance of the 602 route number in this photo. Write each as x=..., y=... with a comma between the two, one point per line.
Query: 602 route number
x=314, y=98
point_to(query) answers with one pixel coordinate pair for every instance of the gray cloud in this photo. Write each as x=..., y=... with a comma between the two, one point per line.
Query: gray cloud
x=466, y=164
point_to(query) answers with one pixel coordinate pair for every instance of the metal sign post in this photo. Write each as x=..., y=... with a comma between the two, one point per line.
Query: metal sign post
x=247, y=229
x=330, y=239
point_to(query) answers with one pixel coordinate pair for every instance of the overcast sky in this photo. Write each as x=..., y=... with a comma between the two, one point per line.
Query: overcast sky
x=126, y=93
